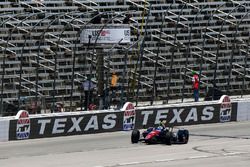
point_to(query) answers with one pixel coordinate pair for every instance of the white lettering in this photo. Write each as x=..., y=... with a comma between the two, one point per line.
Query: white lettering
x=146, y=115
x=192, y=115
x=109, y=121
x=92, y=123
x=57, y=126
x=75, y=124
x=207, y=113
x=177, y=115
x=160, y=115
x=43, y=123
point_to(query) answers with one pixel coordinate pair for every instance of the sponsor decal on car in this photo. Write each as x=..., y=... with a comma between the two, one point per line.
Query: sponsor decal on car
x=225, y=108
x=23, y=125
x=129, y=116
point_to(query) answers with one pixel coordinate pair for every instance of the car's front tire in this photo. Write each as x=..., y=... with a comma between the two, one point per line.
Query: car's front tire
x=135, y=136
x=169, y=138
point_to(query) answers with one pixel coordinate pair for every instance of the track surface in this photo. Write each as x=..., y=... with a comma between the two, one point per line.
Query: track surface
x=214, y=145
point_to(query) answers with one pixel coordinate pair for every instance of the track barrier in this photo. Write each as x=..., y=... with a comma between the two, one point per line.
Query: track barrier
x=25, y=126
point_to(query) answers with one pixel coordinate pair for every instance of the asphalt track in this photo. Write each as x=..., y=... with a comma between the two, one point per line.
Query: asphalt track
x=214, y=145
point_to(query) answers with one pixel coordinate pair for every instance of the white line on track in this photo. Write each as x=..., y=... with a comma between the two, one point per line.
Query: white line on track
x=168, y=160
x=131, y=163
x=234, y=153
x=165, y=160
x=198, y=157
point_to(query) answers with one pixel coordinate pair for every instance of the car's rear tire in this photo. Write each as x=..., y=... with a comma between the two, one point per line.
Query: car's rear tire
x=186, y=134
x=135, y=136
x=169, y=138
x=183, y=136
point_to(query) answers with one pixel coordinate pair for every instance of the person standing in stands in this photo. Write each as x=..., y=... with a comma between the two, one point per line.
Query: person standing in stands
x=113, y=86
x=88, y=87
x=195, y=80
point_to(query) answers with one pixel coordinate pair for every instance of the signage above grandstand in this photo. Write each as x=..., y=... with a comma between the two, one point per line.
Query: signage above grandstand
x=110, y=34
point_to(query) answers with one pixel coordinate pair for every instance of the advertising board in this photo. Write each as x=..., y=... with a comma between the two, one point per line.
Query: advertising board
x=110, y=34
x=128, y=118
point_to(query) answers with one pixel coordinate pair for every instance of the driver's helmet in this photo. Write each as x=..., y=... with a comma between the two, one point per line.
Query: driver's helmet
x=159, y=128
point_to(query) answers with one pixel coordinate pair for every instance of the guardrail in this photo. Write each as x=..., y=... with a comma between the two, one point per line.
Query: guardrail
x=25, y=126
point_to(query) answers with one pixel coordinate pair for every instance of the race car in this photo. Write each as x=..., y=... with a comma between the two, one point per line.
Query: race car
x=160, y=135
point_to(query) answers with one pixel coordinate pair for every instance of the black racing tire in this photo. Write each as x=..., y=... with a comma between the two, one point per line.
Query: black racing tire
x=169, y=138
x=186, y=134
x=135, y=136
x=183, y=136
x=180, y=136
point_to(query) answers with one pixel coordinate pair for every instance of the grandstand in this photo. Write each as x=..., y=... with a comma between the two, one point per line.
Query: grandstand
x=42, y=58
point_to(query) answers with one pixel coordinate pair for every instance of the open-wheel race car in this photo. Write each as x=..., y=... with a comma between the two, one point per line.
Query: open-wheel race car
x=160, y=135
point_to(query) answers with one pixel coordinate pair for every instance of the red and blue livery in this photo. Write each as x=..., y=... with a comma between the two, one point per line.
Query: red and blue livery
x=160, y=135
